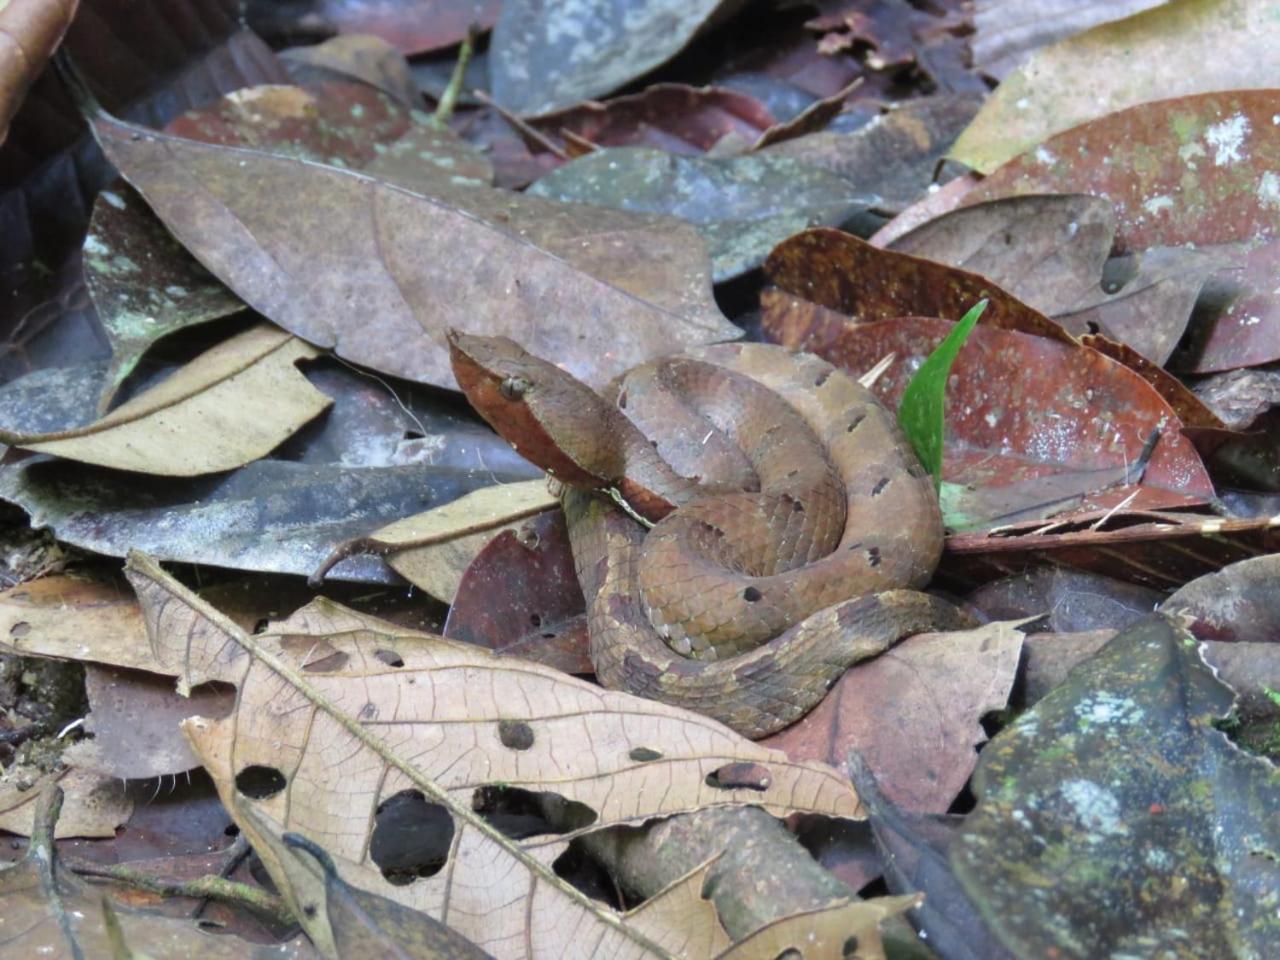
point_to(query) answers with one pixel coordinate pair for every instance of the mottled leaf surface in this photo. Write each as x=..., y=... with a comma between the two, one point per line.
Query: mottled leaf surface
x=546, y=55
x=379, y=274
x=1174, y=50
x=143, y=284
x=1116, y=783
x=743, y=205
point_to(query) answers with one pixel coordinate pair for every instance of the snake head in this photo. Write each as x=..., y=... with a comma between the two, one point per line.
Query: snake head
x=550, y=417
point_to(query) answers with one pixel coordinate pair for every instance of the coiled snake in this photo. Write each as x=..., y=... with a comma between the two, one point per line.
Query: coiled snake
x=793, y=519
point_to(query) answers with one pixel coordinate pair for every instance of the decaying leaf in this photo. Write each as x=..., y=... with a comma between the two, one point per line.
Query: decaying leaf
x=133, y=719
x=366, y=57
x=1178, y=48
x=892, y=158
x=95, y=804
x=840, y=272
x=936, y=687
x=232, y=404
x=143, y=285
x=1046, y=250
x=412, y=26
x=744, y=206
x=1115, y=783
x=359, y=925
x=548, y=55
x=1007, y=31
x=520, y=597
x=412, y=266
x=432, y=550
x=1092, y=421
x=50, y=912
x=668, y=116
x=273, y=516
x=306, y=730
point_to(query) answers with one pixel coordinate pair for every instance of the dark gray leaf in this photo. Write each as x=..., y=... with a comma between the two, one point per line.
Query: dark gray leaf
x=744, y=206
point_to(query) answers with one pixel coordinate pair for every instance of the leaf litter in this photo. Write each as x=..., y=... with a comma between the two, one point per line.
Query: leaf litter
x=438, y=801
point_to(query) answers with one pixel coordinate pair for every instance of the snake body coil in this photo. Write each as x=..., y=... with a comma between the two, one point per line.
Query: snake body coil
x=793, y=519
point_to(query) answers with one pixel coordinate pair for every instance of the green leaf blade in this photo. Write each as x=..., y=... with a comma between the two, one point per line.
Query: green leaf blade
x=924, y=401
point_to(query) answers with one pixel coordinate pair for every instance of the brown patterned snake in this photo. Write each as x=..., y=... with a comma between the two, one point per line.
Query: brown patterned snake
x=786, y=557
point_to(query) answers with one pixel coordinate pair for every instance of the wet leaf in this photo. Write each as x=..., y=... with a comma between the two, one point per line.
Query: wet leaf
x=743, y=205
x=1118, y=782
x=411, y=26
x=840, y=272
x=545, y=55
x=143, y=284
x=365, y=57
x=1175, y=50
x=1191, y=171
x=1007, y=31
x=915, y=853
x=895, y=155
x=414, y=267
x=921, y=411
x=270, y=516
x=520, y=597
x=1102, y=413
x=50, y=912
x=913, y=713
x=30, y=30
x=432, y=550
x=229, y=406
x=282, y=767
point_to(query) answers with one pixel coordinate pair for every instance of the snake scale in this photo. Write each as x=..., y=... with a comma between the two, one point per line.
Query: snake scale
x=793, y=520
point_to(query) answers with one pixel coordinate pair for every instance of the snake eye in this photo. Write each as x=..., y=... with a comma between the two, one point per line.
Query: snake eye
x=513, y=388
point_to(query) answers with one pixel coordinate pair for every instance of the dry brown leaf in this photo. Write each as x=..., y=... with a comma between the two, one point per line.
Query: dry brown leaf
x=74, y=619
x=30, y=30
x=432, y=550
x=914, y=713
x=338, y=712
x=380, y=274
x=95, y=805
x=849, y=930
x=229, y=406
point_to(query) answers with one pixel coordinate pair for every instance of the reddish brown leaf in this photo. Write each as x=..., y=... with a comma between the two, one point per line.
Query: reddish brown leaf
x=1193, y=170
x=1191, y=410
x=838, y=271
x=520, y=597
x=30, y=30
x=364, y=57
x=913, y=713
x=1020, y=408
x=667, y=116
x=1159, y=549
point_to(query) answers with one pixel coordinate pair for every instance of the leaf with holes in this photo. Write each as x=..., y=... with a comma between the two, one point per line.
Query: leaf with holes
x=368, y=735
